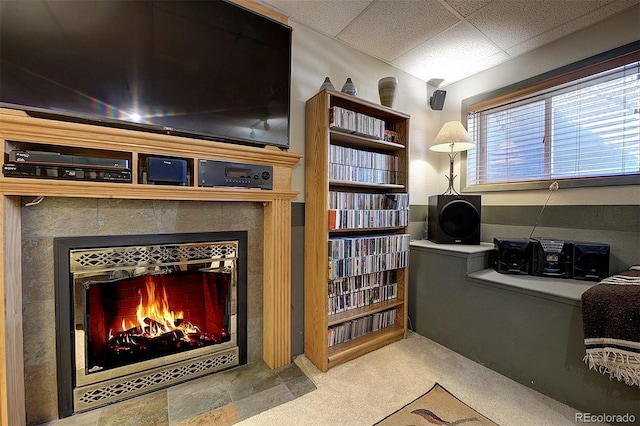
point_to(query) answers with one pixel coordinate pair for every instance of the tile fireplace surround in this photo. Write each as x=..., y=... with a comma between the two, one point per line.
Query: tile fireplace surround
x=72, y=208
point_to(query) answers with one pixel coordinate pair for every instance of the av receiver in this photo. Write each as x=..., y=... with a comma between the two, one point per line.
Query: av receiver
x=239, y=175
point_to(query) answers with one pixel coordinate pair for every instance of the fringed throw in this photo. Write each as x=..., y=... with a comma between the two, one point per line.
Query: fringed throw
x=607, y=356
x=611, y=321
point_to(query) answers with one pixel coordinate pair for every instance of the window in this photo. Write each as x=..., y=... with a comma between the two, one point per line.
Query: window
x=582, y=127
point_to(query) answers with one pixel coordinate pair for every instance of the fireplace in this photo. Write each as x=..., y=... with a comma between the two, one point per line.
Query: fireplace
x=137, y=313
x=28, y=375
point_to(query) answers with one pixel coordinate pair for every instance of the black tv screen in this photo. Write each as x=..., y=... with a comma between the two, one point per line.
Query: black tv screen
x=204, y=69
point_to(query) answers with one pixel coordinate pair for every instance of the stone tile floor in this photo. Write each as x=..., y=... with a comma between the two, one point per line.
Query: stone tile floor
x=221, y=399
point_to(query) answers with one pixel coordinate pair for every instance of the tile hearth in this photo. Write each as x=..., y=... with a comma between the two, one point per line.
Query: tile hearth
x=222, y=399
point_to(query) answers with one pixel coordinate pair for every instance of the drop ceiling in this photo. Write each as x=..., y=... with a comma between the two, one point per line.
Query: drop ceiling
x=443, y=41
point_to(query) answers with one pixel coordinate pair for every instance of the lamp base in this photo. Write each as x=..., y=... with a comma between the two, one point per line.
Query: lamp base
x=451, y=190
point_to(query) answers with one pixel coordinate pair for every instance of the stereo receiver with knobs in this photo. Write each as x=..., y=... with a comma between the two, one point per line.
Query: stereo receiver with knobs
x=239, y=175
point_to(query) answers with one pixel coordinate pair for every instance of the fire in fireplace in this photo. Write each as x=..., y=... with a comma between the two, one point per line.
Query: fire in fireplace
x=121, y=332
x=143, y=312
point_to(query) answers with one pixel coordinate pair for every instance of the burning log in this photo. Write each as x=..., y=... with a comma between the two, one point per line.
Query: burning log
x=159, y=331
x=153, y=338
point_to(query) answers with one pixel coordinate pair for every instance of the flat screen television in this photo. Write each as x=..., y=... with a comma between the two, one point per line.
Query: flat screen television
x=205, y=69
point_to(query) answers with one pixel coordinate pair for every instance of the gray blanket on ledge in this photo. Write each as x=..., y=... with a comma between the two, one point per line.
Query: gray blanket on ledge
x=611, y=321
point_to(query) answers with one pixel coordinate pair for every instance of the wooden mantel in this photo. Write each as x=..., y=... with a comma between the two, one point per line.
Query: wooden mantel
x=18, y=130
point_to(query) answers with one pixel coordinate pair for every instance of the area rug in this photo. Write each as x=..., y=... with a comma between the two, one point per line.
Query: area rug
x=436, y=407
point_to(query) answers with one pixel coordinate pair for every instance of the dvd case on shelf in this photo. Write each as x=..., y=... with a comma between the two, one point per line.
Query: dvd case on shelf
x=358, y=327
x=363, y=255
x=354, y=122
x=361, y=290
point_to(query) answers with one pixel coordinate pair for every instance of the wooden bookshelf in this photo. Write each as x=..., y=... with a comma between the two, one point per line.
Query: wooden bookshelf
x=320, y=139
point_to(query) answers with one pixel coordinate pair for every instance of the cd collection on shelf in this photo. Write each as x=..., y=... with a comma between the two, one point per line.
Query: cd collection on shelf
x=350, y=210
x=355, y=328
x=350, y=164
x=362, y=290
x=363, y=219
x=363, y=255
x=368, y=201
x=354, y=122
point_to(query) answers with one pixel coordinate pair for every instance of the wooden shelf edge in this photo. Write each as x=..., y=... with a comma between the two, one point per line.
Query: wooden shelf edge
x=369, y=342
x=364, y=103
x=360, y=230
x=81, y=189
x=365, y=184
x=343, y=136
x=363, y=311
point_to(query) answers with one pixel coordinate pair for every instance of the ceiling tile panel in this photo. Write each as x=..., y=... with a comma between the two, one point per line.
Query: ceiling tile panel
x=467, y=7
x=448, y=39
x=389, y=28
x=572, y=26
x=511, y=22
x=451, y=54
x=325, y=16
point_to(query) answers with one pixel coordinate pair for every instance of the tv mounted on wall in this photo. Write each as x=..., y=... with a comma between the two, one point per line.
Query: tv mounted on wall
x=205, y=69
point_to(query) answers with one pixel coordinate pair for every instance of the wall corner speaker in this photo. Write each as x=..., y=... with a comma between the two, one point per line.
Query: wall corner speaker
x=590, y=261
x=511, y=256
x=454, y=219
x=436, y=101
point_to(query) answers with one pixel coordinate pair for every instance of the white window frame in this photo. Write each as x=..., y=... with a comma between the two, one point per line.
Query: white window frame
x=551, y=81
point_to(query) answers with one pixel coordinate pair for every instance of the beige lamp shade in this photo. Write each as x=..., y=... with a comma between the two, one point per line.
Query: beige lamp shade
x=453, y=137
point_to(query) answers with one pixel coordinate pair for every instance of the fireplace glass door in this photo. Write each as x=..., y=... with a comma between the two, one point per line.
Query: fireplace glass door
x=140, y=318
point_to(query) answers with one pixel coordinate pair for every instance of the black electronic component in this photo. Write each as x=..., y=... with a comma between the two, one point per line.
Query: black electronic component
x=590, y=261
x=454, y=219
x=552, y=258
x=21, y=170
x=242, y=175
x=511, y=256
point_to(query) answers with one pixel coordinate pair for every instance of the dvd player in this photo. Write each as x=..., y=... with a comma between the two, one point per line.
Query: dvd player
x=56, y=158
x=70, y=172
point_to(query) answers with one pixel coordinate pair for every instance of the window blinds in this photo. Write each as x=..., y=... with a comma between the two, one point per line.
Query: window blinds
x=585, y=128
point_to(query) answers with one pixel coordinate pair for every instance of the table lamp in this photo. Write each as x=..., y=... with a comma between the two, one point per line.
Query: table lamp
x=452, y=138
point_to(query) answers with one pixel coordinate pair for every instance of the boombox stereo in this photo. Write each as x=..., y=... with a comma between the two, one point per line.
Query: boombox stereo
x=239, y=175
x=551, y=258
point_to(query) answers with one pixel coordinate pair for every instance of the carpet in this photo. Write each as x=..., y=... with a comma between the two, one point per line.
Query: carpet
x=438, y=406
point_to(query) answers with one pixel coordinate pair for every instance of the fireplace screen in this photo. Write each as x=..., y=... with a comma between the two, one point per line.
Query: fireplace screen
x=148, y=316
x=136, y=319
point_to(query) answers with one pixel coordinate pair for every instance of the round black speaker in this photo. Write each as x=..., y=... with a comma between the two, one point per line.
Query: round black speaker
x=515, y=256
x=459, y=219
x=590, y=261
